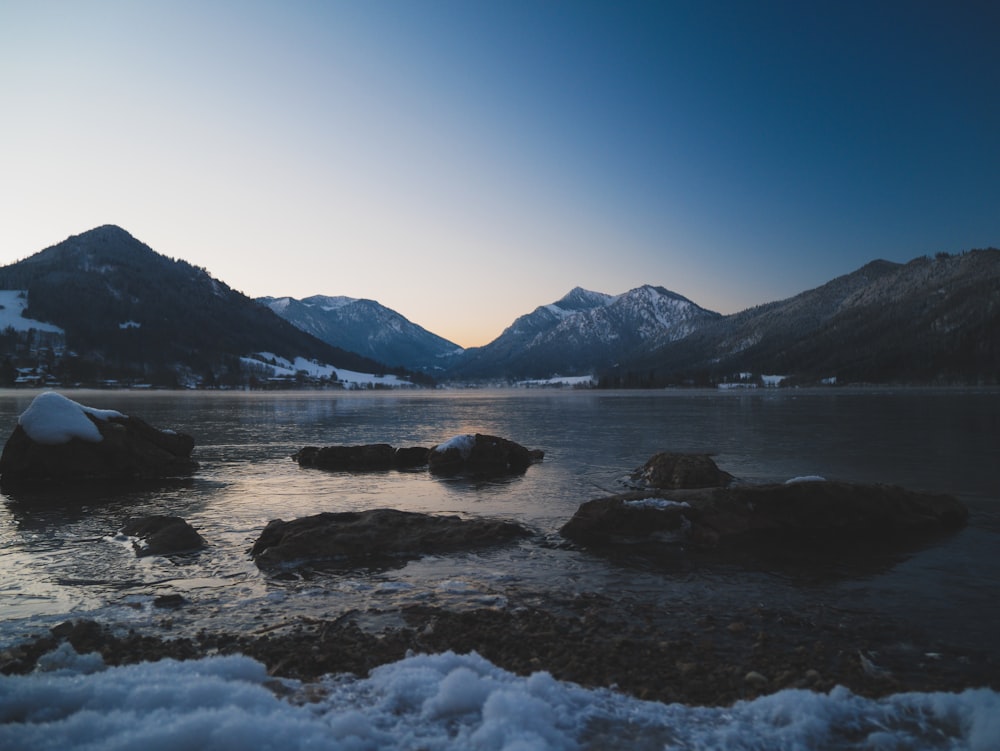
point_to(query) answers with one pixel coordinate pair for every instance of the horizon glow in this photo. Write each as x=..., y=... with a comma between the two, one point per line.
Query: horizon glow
x=464, y=163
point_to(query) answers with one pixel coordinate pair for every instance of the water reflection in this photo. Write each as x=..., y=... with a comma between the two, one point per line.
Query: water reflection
x=57, y=551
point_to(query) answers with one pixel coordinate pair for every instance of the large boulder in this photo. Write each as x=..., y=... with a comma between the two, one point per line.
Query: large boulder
x=359, y=537
x=59, y=439
x=799, y=513
x=481, y=455
x=668, y=470
x=162, y=535
x=363, y=458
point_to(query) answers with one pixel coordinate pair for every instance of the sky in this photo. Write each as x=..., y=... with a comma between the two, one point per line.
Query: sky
x=464, y=162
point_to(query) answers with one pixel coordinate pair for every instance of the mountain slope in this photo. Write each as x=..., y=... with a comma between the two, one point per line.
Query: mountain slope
x=582, y=332
x=930, y=320
x=368, y=328
x=128, y=310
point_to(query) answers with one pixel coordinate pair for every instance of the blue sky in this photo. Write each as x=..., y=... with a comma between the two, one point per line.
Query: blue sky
x=464, y=162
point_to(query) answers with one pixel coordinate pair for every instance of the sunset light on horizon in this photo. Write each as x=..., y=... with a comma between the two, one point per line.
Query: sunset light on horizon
x=465, y=162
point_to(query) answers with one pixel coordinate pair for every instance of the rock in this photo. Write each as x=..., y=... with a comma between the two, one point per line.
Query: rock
x=169, y=601
x=798, y=514
x=482, y=456
x=412, y=457
x=162, y=535
x=357, y=537
x=364, y=458
x=670, y=471
x=57, y=439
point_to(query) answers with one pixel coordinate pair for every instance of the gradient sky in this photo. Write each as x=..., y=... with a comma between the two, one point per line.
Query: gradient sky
x=463, y=162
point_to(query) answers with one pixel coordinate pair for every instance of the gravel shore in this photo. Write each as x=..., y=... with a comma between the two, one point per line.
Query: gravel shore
x=698, y=658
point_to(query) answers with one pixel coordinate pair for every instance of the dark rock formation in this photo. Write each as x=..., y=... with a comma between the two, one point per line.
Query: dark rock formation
x=162, y=535
x=365, y=458
x=358, y=537
x=482, y=456
x=669, y=470
x=793, y=514
x=128, y=449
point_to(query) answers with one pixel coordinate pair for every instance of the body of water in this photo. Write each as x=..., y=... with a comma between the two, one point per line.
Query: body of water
x=59, y=555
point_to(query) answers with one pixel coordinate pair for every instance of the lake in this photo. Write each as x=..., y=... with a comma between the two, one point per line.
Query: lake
x=61, y=557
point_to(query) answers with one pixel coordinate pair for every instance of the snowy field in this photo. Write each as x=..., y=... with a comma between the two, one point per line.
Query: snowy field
x=12, y=305
x=282, y=367
x=444, y=701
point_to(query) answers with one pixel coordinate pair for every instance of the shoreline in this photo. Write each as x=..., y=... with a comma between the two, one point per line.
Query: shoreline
x=683, y=655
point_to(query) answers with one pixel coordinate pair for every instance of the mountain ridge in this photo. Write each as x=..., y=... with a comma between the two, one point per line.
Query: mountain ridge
x=128, y=311
x=117, y=308
x=368, y=328
x=930, y=320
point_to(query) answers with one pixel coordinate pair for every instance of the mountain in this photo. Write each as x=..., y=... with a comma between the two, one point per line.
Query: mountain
x=582, y=332
x=932, y=320
x=368, y=328
x=130, y=312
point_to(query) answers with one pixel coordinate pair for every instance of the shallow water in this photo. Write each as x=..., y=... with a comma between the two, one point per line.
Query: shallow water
x=59, y=555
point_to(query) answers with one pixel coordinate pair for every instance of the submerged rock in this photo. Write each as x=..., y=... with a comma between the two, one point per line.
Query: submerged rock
x=162, y=535
x=670, y=471
x=357, y=537
x=58, y=439
x=364, y=458
x=481, y=455
x=798, y=513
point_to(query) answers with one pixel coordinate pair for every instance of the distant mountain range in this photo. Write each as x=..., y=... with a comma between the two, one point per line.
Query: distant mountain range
x=932, y=320
x=368, y=328
x=103, y=306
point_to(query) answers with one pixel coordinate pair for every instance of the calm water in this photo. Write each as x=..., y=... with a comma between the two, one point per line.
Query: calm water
x=61, y=557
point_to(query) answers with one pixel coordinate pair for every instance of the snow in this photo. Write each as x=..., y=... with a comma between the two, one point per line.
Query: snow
x=130, y=325
x=12, y=305
x=351, y=379
x=805, y=478
x=558, y=380
x=442, y=702
x=464, y=443
x=52, y=419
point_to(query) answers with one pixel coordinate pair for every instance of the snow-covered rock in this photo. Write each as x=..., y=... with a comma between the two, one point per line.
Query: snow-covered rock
x=58, y=439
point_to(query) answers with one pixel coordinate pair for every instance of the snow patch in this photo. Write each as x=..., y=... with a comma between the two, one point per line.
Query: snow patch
x=12, y=305
x=52, y=419
x=558, y=380
x=804, y=478
x=463, y=443
x=282, y=367
x=447, y=701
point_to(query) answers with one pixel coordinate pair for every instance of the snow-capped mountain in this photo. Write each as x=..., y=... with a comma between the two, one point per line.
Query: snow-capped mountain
x=368, y=328
x=584, y=331
x=932, y=320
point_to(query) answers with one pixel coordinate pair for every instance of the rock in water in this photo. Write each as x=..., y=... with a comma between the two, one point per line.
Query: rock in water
x=162, y=535
x=482, y=456
x=59, y=439
x=669, y=470
x=364, y=458
x=358, y=537
x=775, y=515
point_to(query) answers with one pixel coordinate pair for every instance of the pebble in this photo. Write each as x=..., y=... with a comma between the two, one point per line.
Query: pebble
x=755, y=679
